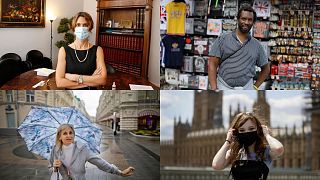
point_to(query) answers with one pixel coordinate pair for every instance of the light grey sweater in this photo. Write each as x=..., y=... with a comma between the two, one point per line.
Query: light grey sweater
x=81, y=155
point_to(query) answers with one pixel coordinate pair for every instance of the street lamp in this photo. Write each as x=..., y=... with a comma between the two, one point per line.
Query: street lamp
x=51, y=18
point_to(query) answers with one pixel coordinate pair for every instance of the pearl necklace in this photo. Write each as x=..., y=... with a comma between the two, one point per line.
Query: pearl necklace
x=75, y=51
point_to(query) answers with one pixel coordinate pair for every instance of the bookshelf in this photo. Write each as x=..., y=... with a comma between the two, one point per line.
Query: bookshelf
x=124, y=34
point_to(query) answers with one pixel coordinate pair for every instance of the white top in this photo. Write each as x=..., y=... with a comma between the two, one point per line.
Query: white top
x=67, y=151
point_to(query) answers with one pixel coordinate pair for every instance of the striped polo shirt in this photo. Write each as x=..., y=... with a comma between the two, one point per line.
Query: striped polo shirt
x=239, y=68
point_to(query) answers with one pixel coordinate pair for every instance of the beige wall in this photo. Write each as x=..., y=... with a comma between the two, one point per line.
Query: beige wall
x=154, y=56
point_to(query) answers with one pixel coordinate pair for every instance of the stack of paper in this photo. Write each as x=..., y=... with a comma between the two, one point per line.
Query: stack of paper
x=140, y=87
x=44, y=71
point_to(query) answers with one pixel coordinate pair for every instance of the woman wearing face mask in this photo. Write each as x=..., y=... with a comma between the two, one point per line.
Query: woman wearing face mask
x=249, y=149
x=69, y=157
x=81, y=64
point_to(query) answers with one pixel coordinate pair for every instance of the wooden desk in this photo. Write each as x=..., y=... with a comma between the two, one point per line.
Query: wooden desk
x=26, y=80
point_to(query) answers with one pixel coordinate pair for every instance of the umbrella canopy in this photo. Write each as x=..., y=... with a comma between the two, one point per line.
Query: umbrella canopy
x=40, y=126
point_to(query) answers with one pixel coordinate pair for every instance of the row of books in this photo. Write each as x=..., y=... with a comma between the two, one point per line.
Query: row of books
x=123, y=42
x=135, y=70
x=107, y=21
x=140, y=18
x=124, y=61
x=174, y=77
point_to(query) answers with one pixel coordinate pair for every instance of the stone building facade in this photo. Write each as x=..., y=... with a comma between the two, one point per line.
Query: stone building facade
x=16, y=104
x=133, y=109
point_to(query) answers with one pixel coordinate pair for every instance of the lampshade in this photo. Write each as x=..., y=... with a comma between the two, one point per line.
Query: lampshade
x=51, y=16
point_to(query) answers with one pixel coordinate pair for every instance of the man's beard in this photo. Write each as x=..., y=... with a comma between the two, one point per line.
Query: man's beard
x=244, y=30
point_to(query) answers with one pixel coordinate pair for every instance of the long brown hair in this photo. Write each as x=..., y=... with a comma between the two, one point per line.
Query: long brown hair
x=59, y=130
x=235, y=146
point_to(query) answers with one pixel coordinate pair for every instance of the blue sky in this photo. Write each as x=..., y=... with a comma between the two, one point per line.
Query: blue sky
x=286, y=107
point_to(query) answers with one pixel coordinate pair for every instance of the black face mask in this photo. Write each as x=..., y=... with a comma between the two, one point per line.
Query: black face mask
x=247, y=139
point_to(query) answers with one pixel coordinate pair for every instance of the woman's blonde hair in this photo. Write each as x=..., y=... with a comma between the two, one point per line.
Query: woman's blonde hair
x=235, y=146
x=86, y=16
x=59, y=130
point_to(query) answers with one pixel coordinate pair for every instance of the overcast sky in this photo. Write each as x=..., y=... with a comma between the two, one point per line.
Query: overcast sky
x=90, y=98
x=286, y=107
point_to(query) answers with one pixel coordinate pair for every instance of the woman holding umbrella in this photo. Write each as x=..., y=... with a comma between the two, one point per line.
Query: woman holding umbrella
x=249, y=148
x=69, y=157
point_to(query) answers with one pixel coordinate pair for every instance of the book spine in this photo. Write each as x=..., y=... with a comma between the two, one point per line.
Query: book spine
x=137, y=18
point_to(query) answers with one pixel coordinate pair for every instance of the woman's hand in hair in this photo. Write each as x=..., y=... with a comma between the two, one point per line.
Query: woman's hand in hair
x=127, y=172
x=230, y=135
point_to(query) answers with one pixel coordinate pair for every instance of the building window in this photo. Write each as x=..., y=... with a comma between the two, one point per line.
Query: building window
x=30, y=96
x=9, y=96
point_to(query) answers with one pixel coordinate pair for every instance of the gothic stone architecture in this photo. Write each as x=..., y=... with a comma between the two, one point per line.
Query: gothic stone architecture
x=195, y=145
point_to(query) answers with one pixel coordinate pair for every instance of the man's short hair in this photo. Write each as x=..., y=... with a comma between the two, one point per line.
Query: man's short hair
x=247, y=7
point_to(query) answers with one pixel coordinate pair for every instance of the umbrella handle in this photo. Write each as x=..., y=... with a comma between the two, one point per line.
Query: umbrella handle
x=57, y=173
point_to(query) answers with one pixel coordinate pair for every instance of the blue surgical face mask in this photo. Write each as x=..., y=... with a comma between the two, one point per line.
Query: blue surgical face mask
x=82, y=33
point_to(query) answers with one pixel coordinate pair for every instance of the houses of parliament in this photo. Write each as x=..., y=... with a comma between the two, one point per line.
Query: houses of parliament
x=195, y=144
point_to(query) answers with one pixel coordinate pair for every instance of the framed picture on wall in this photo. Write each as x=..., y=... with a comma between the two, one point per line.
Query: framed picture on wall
x=22, y=13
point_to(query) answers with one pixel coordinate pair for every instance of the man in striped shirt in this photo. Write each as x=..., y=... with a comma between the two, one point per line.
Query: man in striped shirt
x=235, y=55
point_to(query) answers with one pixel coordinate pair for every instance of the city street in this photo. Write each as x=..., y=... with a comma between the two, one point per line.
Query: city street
x=122, y=150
